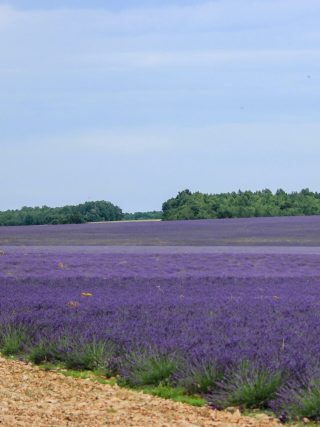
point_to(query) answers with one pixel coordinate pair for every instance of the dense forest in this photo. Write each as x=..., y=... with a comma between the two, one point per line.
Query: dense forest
x=241, y=204
x=86, y=212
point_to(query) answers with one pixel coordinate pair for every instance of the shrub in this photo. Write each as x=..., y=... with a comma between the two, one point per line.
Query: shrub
x=248, y=387
x=148, y=369
x=200, y=378
x=11, y=340
x=42, y=352
x=94, y=355
x=301, y=401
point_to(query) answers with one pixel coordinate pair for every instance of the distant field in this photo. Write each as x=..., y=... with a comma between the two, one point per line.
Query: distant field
x=229, y=309
x=282, y=231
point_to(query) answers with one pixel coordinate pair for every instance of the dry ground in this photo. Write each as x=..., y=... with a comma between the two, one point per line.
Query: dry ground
x=30, y=396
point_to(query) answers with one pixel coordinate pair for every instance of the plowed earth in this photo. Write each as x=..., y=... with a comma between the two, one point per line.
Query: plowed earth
x=30, y=396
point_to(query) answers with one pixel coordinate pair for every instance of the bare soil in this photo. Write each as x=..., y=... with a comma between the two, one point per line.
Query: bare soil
x=30, y=396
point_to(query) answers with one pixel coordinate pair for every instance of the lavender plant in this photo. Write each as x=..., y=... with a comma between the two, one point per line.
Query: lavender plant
x=247, y=386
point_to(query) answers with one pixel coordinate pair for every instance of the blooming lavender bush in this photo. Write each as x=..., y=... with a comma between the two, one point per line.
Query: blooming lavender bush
x=240, y=325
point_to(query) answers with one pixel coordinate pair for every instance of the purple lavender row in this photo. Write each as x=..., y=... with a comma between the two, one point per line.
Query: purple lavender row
x=282, y=231
x=51, y=265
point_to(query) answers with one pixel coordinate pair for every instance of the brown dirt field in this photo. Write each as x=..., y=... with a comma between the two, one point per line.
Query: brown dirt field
x=30, y=396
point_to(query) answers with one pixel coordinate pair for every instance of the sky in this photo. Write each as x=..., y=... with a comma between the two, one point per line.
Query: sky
x=133, y=101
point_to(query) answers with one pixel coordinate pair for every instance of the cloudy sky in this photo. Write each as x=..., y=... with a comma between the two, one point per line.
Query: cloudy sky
x=133, y=100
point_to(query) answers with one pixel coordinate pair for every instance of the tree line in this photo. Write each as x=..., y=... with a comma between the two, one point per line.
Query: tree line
x=186, y=205
x=85, y=212
x=142, y=215
x=241, y=204
x=72, y=214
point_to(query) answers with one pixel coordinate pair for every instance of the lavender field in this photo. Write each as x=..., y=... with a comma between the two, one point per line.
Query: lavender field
x=282, y=231
x=229, y=309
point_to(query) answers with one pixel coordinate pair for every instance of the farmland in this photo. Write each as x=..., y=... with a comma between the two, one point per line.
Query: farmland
x=272, y=231
x=228, y=309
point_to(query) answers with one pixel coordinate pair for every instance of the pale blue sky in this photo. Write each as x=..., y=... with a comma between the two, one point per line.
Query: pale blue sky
x=132, y=101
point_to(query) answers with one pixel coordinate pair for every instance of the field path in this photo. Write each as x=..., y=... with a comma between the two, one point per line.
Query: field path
x=30, y=396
